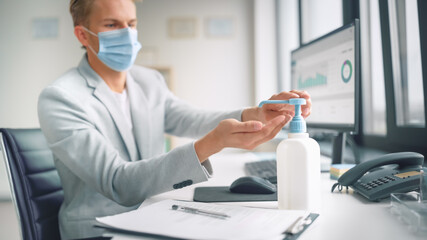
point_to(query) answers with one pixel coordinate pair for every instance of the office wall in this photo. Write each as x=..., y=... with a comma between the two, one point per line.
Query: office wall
x=265, y=49
x=212, y=73
x=28, y=64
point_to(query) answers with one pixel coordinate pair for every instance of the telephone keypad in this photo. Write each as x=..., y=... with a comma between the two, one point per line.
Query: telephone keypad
x=377, y=182
x=372, y=185
x=390, y=178
x=366, y=186
x=384, y=180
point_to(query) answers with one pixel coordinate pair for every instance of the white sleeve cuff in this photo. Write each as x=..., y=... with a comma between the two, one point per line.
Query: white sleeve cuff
x=207, y=168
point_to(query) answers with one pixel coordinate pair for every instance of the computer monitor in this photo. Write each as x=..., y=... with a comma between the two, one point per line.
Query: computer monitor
x=329, y=69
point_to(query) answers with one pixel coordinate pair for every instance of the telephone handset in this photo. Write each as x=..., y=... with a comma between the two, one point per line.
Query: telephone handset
x=376, y=182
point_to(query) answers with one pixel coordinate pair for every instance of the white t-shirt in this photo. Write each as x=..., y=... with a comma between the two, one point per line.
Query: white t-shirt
x=123, y=100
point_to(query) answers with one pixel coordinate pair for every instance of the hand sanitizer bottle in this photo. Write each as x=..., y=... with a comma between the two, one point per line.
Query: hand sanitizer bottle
x=298, y=165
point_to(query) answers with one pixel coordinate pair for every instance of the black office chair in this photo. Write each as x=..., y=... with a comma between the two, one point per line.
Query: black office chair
x=35, y=184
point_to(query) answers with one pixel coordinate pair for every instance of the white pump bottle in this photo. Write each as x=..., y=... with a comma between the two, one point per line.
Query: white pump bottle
x=298, y=165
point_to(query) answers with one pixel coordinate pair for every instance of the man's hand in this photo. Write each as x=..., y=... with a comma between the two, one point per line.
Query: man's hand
x=232, y=133
x=251, y=132
x=270, y=111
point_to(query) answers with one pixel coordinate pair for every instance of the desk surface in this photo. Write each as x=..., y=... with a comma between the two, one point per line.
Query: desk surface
x=344, y=215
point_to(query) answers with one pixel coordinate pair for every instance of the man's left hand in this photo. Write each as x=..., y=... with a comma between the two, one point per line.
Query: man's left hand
x=270, y=111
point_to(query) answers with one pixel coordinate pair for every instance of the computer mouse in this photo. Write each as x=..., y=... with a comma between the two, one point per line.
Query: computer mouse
x=253, y=185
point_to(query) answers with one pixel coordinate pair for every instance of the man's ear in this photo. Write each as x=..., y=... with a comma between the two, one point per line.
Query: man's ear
x=81, y=35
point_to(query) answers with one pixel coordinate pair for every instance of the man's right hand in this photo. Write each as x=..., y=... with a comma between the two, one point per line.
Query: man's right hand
x=236, y=134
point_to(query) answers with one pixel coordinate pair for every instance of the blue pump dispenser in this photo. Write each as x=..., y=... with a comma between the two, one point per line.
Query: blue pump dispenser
x=298, y=161
x=297, y=125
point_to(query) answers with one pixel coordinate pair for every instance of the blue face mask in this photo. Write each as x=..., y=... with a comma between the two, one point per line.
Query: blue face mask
x=117, y=48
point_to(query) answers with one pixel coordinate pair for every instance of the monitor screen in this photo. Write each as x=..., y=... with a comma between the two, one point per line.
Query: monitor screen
x=328, y=69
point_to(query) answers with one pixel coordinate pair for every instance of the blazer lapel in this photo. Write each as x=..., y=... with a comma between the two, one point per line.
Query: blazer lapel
x=140, y=117
x=104, y=94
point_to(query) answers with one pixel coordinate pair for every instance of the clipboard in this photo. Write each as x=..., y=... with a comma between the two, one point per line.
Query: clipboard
x=312, y=217
x=222, y=194
x=156, y=221
x=111, y=233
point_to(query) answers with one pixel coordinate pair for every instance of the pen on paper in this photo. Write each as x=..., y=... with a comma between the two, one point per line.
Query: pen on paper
x=200, y=211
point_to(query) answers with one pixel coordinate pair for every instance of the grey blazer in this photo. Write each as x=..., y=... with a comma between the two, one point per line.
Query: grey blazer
x=106, y=167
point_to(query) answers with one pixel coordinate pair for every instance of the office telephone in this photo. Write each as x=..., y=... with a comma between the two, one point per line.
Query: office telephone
x=377, y=179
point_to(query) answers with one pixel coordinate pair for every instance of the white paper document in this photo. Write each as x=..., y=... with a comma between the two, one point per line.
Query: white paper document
x=242, y=223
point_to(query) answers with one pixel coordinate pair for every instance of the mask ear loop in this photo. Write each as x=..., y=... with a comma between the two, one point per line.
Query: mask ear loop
x=89, y=31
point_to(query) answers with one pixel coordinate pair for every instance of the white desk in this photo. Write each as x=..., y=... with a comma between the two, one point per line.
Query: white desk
x=343, y=216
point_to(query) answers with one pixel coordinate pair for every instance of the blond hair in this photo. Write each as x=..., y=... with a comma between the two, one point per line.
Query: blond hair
x=81, y=9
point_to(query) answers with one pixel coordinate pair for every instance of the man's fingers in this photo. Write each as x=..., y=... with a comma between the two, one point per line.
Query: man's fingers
x=285, y=96
x=249, y=140
x=301, y=94
x=249, y=126
x=306, y=109
x=289, y=95
x=278, y=107
x=275, y=121
x=272, y=124
x=277, y=124
x=280, y=96
x=274, y=128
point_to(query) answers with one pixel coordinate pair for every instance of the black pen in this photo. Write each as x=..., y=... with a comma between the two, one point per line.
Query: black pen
x=200, y=211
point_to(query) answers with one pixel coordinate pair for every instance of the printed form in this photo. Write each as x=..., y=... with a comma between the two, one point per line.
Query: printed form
x=243, y=222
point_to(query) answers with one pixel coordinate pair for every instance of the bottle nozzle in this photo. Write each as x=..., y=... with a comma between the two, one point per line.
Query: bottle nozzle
x=297, y=124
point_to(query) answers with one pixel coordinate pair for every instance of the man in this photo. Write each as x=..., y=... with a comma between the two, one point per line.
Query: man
x=105, y=121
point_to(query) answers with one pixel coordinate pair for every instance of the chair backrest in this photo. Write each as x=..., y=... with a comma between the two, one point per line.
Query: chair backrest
x=35, y=184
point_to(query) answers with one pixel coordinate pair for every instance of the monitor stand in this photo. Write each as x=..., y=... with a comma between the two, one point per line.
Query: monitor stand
x=338, y=146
